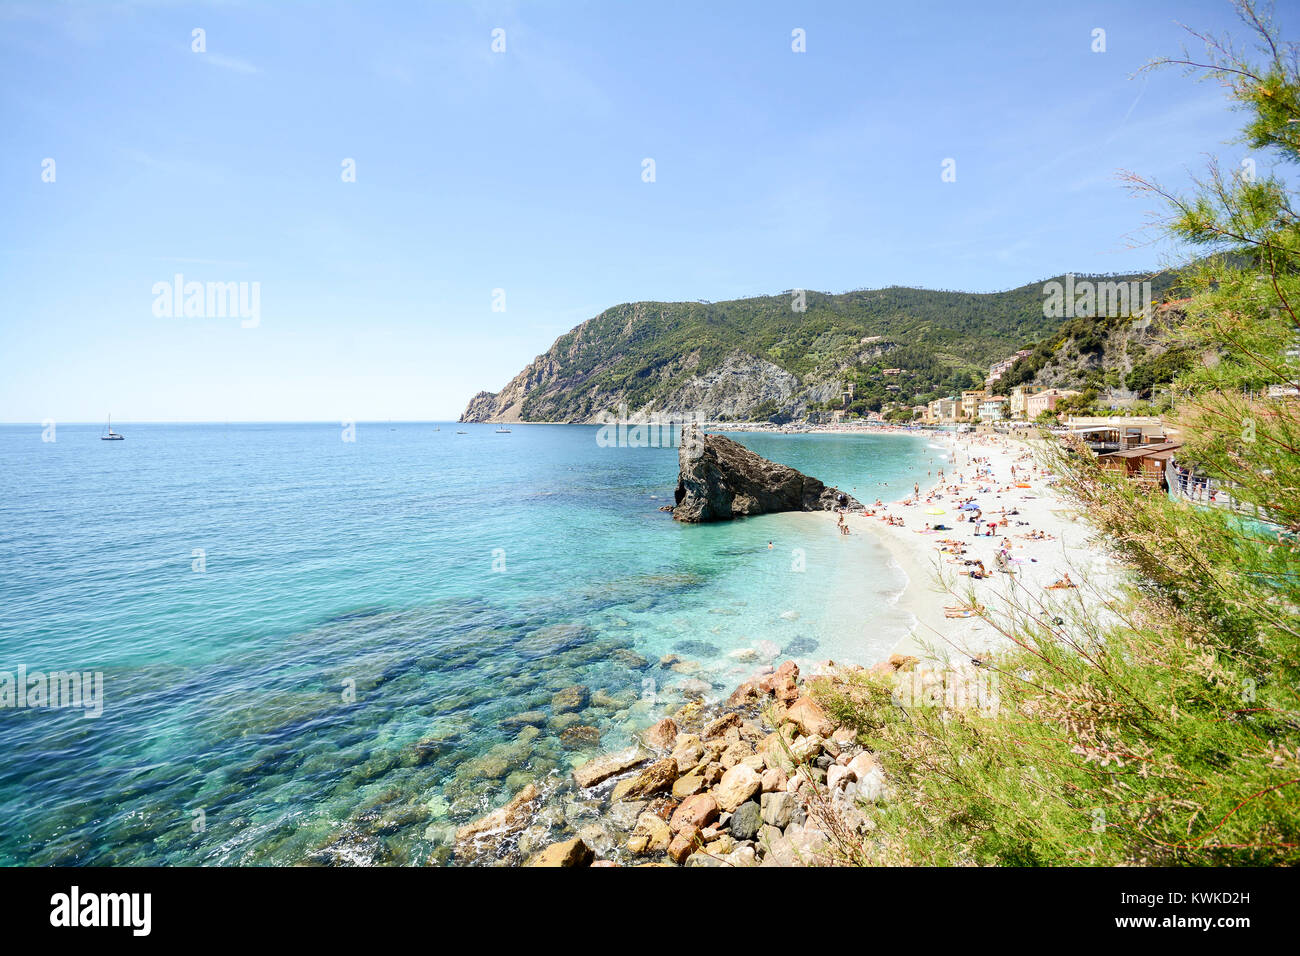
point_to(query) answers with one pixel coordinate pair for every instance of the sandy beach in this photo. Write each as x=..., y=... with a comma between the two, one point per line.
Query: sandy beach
x=1002, y=476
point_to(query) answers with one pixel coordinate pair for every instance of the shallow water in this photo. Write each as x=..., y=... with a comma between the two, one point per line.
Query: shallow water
x=309, y=645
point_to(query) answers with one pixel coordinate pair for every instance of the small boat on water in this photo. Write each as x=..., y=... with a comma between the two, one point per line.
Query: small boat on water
x=111, y=435
x=502, y=430
x=458, y=432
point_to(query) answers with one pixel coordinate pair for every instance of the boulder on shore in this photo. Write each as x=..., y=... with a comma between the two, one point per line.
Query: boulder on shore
x=569, y=853
x=720, y=479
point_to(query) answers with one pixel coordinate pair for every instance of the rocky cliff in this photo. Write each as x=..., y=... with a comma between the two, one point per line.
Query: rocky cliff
x=720, y=480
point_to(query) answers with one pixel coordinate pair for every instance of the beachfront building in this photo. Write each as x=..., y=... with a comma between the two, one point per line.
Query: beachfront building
x=1045, y=401
x=970, y=402
x=1019, y=397
x=1146, y=464
x=1124, y=432
x=992, y=408
x=942, y=410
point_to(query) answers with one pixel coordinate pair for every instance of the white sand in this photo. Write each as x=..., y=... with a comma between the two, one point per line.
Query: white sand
x=1036, y=562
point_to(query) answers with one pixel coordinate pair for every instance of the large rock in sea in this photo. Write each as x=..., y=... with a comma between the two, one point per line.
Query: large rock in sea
x=720, y=480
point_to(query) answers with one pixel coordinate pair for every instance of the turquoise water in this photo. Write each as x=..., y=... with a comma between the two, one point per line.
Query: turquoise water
x=308, y=645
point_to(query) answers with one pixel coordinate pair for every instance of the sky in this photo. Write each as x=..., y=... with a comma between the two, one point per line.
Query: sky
x=501, y=197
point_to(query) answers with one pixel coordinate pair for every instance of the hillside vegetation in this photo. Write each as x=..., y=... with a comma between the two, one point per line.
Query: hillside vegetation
x=762, y=358
x=1159, y=724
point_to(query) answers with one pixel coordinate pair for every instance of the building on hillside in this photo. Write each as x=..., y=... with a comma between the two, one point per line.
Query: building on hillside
x=891, y=371
x=970, y=402
x=993, y=408
x=998, y=369
x=1045, y=401
x=1019, y=396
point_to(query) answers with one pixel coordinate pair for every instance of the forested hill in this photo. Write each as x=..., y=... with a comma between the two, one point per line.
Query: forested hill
x=764, y=358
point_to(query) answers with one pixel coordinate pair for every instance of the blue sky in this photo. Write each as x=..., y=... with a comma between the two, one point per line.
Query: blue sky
x=522, y=171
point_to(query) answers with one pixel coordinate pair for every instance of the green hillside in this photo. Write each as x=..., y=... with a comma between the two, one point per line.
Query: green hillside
x=658, y=355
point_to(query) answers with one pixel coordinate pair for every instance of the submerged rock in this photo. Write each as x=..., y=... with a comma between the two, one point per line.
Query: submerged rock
x=513, y=816
x=580, y=737
x=720, y=479
x=602, y=768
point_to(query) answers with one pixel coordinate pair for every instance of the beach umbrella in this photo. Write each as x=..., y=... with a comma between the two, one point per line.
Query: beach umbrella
x=934, y=511
x=970, y=506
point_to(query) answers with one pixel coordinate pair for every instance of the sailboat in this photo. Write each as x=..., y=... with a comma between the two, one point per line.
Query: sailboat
x=112, y=435
x=502, y=430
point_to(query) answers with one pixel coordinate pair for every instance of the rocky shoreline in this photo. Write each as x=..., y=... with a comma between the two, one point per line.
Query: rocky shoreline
x=766, y=778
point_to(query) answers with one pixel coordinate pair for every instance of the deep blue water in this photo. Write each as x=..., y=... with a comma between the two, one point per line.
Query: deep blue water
x=326, y=681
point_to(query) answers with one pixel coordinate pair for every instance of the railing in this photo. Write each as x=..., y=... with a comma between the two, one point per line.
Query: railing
x=1204, y=490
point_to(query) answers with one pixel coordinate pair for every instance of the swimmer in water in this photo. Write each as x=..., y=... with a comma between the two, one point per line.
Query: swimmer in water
x=769, y=546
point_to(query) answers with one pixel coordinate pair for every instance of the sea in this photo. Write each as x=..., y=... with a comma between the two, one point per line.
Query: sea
x=309, y=643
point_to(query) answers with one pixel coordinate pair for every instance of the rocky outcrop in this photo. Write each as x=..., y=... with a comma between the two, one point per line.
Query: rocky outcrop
x=736, y=387
x=733, y=388
x=720, y=479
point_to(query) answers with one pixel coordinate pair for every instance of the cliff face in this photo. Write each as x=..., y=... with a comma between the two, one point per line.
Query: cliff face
x=720, y=480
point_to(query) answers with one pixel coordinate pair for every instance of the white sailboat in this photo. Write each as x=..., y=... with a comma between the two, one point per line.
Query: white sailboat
x=111, y=435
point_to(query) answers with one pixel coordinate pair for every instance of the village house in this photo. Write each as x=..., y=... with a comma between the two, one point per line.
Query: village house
x=941, y=410
x=970, y=402
x=1045, y=401
x=1019, y=397
x=992, y=409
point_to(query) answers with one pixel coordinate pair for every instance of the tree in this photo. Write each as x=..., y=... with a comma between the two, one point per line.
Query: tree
x=1157, y=723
